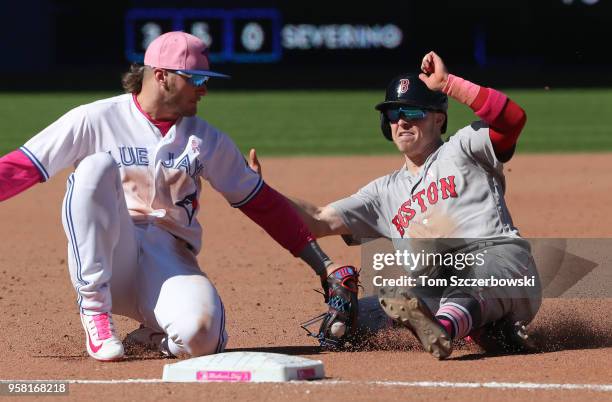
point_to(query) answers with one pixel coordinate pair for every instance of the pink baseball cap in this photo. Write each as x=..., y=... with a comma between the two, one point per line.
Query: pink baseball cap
x=180, y=51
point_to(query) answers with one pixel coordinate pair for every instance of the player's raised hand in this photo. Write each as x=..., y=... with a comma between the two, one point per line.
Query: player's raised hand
x=254, y=162
x=434, y=73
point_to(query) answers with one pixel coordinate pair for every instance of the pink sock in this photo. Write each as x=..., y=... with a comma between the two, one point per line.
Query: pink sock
x=448, y=326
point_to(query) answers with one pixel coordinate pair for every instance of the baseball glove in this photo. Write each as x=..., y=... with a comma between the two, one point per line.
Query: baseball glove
x=339, y=323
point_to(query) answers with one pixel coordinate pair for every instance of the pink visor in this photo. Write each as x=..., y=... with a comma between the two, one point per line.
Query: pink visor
x=180, y=51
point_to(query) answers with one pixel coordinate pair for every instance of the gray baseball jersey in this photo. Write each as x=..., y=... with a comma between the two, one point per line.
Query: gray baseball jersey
x=462, y=181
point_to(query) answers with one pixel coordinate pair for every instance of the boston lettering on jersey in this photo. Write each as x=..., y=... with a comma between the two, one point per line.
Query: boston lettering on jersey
x=445, y=188
x=135, y=156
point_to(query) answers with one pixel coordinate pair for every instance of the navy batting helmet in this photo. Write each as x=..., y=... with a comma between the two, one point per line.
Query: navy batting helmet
x=409, y=90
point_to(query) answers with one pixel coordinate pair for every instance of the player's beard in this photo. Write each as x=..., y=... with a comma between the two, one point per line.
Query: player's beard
x=186, y=106
x=182, y=103
x=190, y=109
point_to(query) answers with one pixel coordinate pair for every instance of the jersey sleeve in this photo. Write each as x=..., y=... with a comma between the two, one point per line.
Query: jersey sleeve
x=474, y=142
x=17, y=174
x=61, y=144
x=229, y=173
x=363, y=214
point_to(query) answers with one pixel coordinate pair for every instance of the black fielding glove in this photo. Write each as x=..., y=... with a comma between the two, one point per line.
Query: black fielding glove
x=340, y=289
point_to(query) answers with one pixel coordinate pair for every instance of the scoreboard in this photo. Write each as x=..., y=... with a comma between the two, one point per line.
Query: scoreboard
x=316, y=43
x=241, y=35
x=256, y=35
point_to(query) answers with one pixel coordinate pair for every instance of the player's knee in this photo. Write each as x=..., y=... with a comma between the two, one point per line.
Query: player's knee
x=98, y=167
x=198, y=336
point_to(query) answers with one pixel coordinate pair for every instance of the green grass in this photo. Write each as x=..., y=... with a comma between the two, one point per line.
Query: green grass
x=337, y=122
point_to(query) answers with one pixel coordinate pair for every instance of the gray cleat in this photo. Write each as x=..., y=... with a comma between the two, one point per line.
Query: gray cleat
x=408, y=310
x=504, y=337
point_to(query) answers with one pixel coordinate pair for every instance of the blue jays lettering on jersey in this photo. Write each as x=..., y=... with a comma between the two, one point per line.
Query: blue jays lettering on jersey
x=159, y=174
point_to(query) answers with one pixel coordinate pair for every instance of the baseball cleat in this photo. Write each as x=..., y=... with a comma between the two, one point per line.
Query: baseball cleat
x=100, y=338
x=149, y=339
x=412, y=313
x=504, y=336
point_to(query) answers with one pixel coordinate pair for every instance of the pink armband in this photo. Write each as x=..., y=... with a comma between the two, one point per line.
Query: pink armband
x=493, y=106
x=462, y=90
x=270, y=210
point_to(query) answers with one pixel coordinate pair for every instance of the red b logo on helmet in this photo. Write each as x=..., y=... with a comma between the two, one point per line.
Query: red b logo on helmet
x=403, y=86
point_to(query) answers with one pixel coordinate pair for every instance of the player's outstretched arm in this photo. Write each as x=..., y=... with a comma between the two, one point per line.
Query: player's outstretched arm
x=322, y=221
x=17, y=174
x=505, y=118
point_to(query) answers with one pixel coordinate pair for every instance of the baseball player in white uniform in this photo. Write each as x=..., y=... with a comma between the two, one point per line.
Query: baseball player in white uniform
x=454, y=190
x=130, y=208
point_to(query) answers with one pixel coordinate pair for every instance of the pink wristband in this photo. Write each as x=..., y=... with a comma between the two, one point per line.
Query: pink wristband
x=462, y=90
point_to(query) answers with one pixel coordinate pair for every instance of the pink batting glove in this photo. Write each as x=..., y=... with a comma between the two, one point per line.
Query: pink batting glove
x=434, y=73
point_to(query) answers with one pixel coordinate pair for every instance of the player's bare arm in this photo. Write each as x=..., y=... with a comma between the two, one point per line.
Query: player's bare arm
x=321, y=220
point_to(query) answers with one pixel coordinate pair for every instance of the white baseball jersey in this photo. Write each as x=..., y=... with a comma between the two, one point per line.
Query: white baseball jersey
x=462, y=180
x=160, y=174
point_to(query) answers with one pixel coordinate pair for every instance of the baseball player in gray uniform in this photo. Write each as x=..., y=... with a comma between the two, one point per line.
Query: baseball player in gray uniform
x=130, y=207
x=454, y=190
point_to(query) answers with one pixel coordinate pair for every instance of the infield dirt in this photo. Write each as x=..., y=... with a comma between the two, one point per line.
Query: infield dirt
x=267, y=293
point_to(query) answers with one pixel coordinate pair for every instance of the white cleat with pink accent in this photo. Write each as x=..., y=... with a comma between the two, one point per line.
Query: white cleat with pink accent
x=100, y=338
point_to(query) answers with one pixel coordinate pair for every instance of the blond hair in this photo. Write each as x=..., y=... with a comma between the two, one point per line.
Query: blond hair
x=132, y=80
